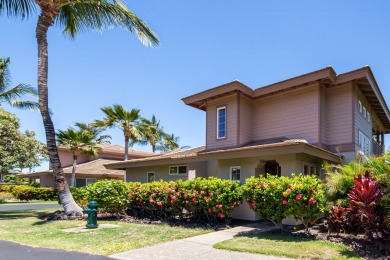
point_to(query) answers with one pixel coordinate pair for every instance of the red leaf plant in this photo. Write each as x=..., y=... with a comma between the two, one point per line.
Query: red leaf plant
x=337, y=219
x=364, y=196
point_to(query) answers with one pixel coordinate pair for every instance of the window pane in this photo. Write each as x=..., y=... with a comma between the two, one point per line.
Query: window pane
x=236, y=174
x=80, y=182
x=182, y=169
x=173, y=170
x=221, y=123
x=90, y=181
x=150, y=176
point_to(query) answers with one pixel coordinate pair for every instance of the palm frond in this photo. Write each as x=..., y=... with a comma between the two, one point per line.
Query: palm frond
x=17, y=8
x=80, y=15
x=25, y=104
x=5, y=75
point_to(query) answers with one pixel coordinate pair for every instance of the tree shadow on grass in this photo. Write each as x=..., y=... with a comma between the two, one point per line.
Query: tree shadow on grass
x=19, y=214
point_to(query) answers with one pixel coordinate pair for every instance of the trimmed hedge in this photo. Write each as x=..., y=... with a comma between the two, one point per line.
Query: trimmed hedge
x=27, y=193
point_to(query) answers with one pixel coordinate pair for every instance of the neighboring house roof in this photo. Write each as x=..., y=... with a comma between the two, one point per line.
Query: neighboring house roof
x=363, y=78
x=200, y=154
x=114, y=149
x=94, y=167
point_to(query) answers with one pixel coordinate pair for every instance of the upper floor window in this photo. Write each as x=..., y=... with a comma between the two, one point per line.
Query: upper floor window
x=221, y=122
x=360, y=106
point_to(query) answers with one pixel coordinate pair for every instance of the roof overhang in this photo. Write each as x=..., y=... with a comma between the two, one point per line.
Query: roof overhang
x=288, y=147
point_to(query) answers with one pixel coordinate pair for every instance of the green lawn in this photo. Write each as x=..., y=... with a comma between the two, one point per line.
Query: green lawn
x=27, y=228
x=287, y=246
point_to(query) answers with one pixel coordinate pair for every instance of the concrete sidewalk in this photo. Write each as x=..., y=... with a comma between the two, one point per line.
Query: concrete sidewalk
x=199, y=247
x=28, y=206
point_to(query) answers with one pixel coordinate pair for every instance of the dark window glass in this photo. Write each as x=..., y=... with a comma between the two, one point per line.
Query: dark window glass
x=222, y=123
x=80, y=182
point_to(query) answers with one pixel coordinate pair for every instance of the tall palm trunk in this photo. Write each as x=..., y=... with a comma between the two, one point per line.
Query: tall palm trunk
x=73, y=178
x=127, y=147
x=45, y=20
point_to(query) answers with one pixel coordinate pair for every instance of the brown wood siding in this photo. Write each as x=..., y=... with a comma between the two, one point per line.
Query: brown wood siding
x=361, y=123
x=245, y=124
x=293, y=114
x=339, y=115
x=231, y=123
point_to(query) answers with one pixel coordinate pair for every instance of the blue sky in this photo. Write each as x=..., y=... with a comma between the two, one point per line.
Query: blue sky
x=203, y=44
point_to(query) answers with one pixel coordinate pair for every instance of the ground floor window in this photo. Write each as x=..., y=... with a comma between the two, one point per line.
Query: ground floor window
x=364, y=143
x=178, y=170
x=85, y=182
x=235, y=173
x=309, y=169
x=273, y=168
x=150, y=176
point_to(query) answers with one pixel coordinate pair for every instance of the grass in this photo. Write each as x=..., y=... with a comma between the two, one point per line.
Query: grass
x=287, y=246
x=28, y=202
x=27, y=228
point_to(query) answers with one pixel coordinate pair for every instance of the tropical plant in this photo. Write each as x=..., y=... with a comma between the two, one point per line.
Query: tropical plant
x=74, y=16
x=364, y=197
x=11, y=95
x=79, y=142
x=337, y=219
x=151, y=133
x=169, y=142
x=95, y=131
x=125, y=120
x=32, y=152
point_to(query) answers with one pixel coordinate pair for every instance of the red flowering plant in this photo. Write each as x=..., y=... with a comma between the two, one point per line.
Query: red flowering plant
x=211, y=198
x=305, y=198
x=268, y=196
x=337, y=219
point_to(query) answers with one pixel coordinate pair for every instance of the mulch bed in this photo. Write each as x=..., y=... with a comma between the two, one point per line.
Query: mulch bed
x=360, y=243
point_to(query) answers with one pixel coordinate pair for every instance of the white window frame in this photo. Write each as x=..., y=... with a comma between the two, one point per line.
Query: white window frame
x=364, y=112
x=368, y=117
x=364, y=143
x=312, y=169
x=360, y=106
x=231, y=173
x=147, y=176
x=218, y=109
x=177, y=170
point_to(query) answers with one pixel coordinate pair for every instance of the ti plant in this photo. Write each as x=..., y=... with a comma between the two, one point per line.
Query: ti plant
x=337, y=219
x=364, y=197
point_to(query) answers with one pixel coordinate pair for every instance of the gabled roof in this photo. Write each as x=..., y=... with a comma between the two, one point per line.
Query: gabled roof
x=199, y=154
x=94, y=167
x=363, y=78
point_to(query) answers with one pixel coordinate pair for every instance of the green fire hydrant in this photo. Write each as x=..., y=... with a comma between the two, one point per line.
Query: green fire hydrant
x=92, y=211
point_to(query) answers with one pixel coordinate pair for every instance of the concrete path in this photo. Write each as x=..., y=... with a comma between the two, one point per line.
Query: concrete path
x=199, y=247
x=28, y=206
x=14, y=251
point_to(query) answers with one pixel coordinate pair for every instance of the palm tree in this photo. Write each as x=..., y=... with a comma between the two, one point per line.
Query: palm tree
x=151, y=132
x=170, y=142
x=125, y=120
x=9, y=95
x=92, y=129
x=74, y=16
x=79, y=142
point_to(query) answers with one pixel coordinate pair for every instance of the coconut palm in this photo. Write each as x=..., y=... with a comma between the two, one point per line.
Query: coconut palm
x=170, y=142
x=151, y=132
x=79, y=142
x=10, y=95
x=74, y=16
x=125, y=120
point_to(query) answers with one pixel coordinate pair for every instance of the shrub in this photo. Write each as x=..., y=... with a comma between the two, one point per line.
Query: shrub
x=305, y=198
x=337, y=219
x=111, y=195
x=6, y=196
x=80, y=196
x=6, y=188
x=268, y=196
x=24, y=192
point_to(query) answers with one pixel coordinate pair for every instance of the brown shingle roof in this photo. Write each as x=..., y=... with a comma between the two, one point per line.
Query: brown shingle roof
x=94, y=167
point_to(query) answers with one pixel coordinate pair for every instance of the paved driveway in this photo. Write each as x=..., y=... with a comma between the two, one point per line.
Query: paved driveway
x=27, y=206
x=14, y=251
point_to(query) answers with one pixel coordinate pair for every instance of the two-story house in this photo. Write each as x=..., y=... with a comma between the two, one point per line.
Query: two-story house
x=288, y=127
x=89, y=168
